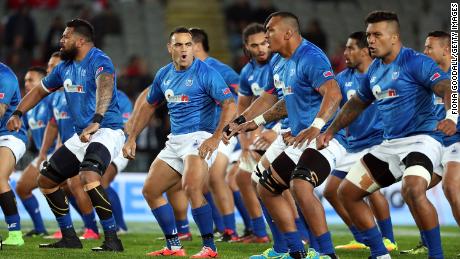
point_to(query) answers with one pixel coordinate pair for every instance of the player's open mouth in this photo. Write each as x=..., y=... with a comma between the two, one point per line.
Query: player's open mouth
x=183, y=56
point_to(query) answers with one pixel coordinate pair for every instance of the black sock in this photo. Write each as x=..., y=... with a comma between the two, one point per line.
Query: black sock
x=103, y=209
x=60, y=207
x=8, y=203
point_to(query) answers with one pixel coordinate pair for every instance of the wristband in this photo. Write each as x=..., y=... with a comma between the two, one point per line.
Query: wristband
x=97, y=118
x=259, y=120
x=318, y=123
x=240, y=120
x=17, y=113
x=451, y=116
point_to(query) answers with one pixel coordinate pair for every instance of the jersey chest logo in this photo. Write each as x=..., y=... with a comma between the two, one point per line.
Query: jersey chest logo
x=385, y=94
x=60, y=115
x=171, y=98
x=71, y=88
x=256, y=89
x=33, y=124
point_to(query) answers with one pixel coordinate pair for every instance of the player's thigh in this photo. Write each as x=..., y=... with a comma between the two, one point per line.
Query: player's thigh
x=160, y=178
x=195, y=171
x=6, y=165
x=28, y=180
x=218, y=168
x=451, y=179
x=332, y=184
x=109, y=175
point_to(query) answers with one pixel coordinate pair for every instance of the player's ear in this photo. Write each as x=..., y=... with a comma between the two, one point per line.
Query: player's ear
x=169, y=47
x=288, y=34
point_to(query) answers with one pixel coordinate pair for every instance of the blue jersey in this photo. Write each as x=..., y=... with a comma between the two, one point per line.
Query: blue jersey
x=79, y=81
x=367, y=130
x=253, y=78
x=126, y=106
x=300, y=79
x=191, y=96
x=230, y=77
x=61, y=115
x=276, y=64
x=403, y=93
x=441, y=115
x=36, y=120
x=11, y=96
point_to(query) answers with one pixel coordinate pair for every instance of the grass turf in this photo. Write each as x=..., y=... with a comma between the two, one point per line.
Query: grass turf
x=142, y=239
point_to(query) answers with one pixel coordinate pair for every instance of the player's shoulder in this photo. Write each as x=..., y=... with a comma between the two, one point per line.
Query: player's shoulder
x=122, y=95
x=7, y=74
x=98, y=54
x=410, y=56
x=309, y=54
x=220, y=66
x=247, y=69
x=164, y=70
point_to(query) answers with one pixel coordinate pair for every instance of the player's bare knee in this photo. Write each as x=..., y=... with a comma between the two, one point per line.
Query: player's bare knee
x=413, y=189
x=44, y=182
x=451, y=190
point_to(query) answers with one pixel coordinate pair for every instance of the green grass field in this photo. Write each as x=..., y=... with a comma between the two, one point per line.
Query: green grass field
x=142, y=239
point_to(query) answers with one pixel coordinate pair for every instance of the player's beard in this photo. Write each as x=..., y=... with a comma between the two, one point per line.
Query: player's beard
x=69, y=54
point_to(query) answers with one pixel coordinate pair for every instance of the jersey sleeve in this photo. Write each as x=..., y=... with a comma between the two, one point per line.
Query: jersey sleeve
x=102, y=64
x=364, y=90
x=216, y=86
x=232, y=79
x=126, y=107
x=155, y=96
x=340, y=78
x=53, y=80
x=315, y=70
x=425, y=71
x=8, y=86
x=245, y=88
x=270, y=86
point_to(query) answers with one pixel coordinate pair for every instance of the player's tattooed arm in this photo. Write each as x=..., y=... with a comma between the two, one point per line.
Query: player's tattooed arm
x=104, y=92
x=3, y=108
x=349, y=112
x=277, y=112
x=443, y=90
x=331, y=99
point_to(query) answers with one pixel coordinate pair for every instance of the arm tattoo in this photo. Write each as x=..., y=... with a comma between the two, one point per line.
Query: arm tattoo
x=443, y=90
x=104, y=89
x=277, y=112
x=3, y=108
x=349, y=112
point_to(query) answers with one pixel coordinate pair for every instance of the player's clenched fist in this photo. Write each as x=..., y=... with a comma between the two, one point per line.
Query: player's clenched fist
x=129, y=149
x=85, y=135
x=14, y=123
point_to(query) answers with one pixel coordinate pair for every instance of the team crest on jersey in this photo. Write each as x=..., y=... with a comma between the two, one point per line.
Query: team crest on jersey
x=33, y=124
x=435, y=76
x=189, y=82
x=395, y=75
x=70, y=88
x=379, y=94
x=256, y=90
x=171, y=98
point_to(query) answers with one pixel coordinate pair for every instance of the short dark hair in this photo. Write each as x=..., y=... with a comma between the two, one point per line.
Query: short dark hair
x=252, y=29
x=285, y=15
x=83, y=28
x=440, y=34
x=200, y=36
x=361, y=39
x=179, y=30
x=56, y=54
x=38, y=69
x=382, y=16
